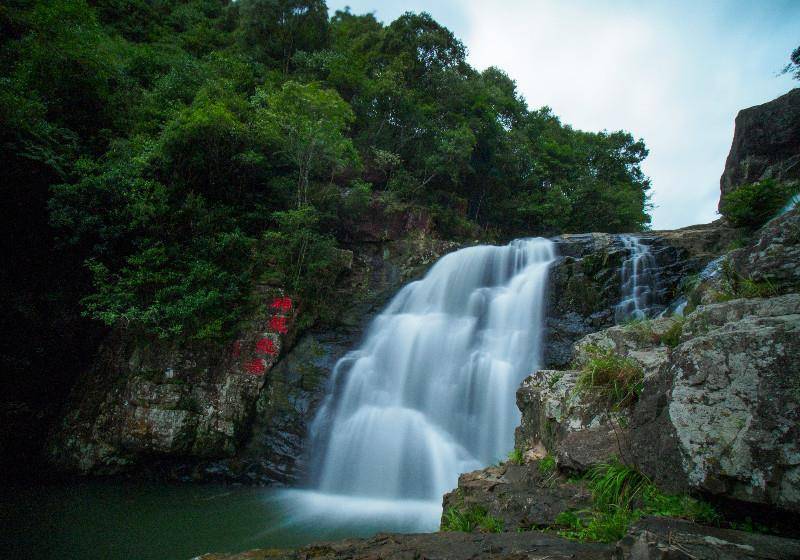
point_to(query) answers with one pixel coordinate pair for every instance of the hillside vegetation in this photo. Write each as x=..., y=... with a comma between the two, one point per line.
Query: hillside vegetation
x=161, y=157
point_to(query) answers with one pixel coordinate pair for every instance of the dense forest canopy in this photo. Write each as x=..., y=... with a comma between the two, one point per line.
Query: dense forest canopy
x=161, y=156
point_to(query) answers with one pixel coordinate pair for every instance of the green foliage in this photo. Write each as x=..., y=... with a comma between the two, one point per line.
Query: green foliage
x=181, y=151
x=547, y=464
x=608, y=377
x=516, y=456
x=643, y=331
x=794, y=64
x=621, y=495
x=754, y=204
x=615, y=484
x=470, y=519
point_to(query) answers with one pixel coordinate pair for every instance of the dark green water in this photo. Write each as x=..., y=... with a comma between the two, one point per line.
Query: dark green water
x=130, y=520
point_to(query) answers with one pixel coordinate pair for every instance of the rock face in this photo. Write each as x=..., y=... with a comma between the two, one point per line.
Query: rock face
x=434, y=546
x=522, y=496
x=240, y=413
x=584, y=283
x=150, y=401
x=766, y=144
x=728, y=404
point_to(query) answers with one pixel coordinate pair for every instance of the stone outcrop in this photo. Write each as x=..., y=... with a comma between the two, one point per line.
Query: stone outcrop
x=582, y=432
x=584, y=283
x=147, y=402
x=727, y=405
x=434, y=546
x=766, y=144
x=234, y=414
x=521, y=496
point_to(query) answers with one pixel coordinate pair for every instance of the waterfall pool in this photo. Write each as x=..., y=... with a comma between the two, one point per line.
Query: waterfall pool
x=123, y=519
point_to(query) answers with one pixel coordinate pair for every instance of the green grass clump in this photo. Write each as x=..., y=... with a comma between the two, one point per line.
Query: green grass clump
x=620, y=496
x=516, y=457
x=547, y=464
x=643, y=331
x=609, y=377
x=468, y=520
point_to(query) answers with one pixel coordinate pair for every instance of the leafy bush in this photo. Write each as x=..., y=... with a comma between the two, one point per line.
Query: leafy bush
x=752, y=205
x=609, y=377
x=468, y=520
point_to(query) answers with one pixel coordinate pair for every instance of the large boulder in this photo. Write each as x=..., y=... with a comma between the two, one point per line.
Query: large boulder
x=579, y=430
x=766, y=144
x=726, y=407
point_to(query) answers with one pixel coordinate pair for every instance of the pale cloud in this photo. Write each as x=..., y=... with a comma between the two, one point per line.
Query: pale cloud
x=673, y=73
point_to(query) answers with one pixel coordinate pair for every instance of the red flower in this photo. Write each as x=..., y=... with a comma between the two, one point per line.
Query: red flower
x=282, y=304
x=278, y=324
x=237, y=349
x=255, y=366
x=266, y=346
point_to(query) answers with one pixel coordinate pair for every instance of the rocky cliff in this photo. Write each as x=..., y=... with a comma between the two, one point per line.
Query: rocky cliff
x=240, y=412
x=766, y=144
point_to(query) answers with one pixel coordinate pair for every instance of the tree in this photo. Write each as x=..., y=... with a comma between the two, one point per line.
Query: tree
x=307, y=125
x=277, y=29
x=794, y=64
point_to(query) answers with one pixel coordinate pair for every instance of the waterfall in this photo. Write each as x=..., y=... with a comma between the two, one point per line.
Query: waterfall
x=638, y=279
x=430, y=393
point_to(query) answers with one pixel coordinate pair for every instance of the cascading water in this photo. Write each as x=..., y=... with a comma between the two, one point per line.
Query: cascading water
x=638, y=280
x=430, y=393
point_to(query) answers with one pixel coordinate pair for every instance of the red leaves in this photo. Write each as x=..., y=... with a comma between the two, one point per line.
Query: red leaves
x=278, y=324
x=282, y=304
x=255, y=366
x=266, y=346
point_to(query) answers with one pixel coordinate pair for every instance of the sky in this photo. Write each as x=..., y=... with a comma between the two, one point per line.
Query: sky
x=672, y=72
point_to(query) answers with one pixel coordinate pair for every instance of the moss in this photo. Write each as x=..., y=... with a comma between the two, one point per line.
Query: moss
x=672, y=336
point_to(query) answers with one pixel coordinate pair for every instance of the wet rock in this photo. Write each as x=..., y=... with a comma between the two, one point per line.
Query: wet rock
x=766, y=144
x=774, y=257
x=434, y=546
x=522, y=496
x=148, y=402
x=662, y=538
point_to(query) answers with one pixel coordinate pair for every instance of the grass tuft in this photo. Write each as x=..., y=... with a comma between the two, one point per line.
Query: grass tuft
x=547, y=464
x=609, y=377
x=468, y=520
x=516, y=456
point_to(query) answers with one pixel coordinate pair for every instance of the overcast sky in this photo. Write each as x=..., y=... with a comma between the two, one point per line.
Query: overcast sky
x=672, y=72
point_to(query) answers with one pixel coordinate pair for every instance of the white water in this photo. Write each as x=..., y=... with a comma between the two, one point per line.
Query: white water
x=637, y=281
x=430, y=393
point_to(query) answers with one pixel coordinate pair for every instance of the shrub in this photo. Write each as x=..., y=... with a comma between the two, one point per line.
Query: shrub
x=753, y=205
x=468, y=520
x=609, y=377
